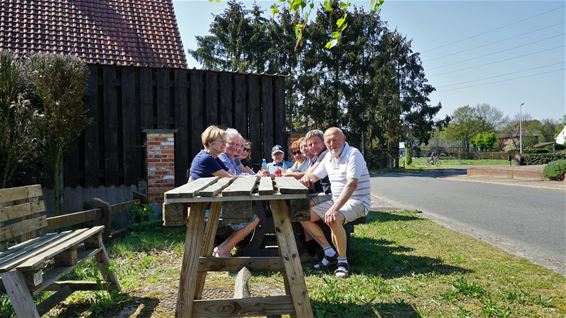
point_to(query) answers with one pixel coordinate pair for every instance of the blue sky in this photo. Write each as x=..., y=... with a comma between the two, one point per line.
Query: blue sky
x=503, y=53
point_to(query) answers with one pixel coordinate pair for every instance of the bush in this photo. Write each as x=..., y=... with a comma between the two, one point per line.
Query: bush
x=541, y=159
x=555, y=170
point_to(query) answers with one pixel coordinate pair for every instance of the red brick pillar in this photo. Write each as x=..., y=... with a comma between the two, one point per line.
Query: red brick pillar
x=160, y=162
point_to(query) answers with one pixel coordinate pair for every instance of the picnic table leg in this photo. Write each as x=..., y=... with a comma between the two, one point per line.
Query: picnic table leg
x=19, y=294
x=291, y=259
x=193, y=245
x=208, y=244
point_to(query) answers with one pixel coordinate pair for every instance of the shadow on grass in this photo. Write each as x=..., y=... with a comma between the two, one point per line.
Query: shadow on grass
x=352, y=310
x=382, y=258
x=376, y=216
x=140, y=307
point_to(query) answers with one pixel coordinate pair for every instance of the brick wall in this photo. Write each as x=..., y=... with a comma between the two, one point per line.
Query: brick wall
x=160, y=160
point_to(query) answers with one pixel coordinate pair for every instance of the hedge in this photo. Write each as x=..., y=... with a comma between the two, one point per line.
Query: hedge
x=541, y=158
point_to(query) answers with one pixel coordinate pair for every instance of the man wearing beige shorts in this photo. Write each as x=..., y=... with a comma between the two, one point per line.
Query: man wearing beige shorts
x=349, y=180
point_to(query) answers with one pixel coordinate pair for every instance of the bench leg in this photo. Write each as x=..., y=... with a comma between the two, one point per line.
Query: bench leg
x=291, y=260
x=19, y=294
x=208, y=244
x=103, y=264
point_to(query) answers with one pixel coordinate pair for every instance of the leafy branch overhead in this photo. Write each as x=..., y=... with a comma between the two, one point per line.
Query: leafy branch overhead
x=304, y=8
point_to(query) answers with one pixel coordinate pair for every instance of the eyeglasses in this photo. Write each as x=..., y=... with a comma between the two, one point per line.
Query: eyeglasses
x=296, y=153
x=246, y=149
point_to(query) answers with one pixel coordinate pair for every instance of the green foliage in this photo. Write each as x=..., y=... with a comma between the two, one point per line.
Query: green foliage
x=19, y=134
x=58, y=84
x=541, y=159
x=140, y=217
x=358, y=84
x=485, y=141
x=555, y=170
x=408, y=156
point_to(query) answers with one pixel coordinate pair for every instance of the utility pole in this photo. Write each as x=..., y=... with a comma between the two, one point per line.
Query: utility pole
x=521, y=128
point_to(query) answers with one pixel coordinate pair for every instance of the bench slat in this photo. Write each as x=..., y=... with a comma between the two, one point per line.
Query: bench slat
x=38, y=259
x=20, y=193
x=6, y=266
x=265, y=186
x=240, y=186
x=66, y=220
x=290, y=186
x=11, y=231
x=21, y=210
x=216, y=188
x=190, y=189
x=25, y=248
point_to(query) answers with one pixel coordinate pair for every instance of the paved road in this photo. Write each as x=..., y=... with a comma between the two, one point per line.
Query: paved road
x=525, y=221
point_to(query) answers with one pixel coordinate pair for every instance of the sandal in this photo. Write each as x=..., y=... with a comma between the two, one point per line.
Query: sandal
x=342, y=270
x=330, y=261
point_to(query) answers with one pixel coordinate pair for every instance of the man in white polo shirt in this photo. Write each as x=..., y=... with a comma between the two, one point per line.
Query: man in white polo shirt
x=349, y=181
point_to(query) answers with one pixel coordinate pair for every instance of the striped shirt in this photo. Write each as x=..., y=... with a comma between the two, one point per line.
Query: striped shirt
x=350, y=164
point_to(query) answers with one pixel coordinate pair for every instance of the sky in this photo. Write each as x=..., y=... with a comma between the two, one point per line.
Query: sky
x=503, y=53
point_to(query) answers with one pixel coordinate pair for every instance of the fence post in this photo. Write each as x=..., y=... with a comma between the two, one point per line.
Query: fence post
x=106, y=216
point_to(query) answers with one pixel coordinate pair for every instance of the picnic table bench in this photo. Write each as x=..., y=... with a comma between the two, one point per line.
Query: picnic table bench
x=288, y=201
x=33, y=259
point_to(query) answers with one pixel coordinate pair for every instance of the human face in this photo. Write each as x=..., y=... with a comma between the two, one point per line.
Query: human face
x=334, y=141
x=297, y=155
x=217, y=147
x=233, y=147
x=245, y=151
x=277, y=157
x=316, y=145
x=306, y=150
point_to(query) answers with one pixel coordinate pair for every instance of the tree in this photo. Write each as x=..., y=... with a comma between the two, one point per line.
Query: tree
x=19, y=138
x=485, y=141
x=463, y=126
x=59, y=85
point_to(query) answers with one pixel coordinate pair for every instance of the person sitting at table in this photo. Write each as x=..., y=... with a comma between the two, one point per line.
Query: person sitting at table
x=246, y=156
x=278, y=163
x=206, y=164
x=301, y=163
x=349, y=178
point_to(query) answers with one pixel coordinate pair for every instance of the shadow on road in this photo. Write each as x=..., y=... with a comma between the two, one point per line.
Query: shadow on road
x=433, y=173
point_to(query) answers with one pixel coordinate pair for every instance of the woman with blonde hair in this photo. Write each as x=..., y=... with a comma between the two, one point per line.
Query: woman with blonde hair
x=301, y=162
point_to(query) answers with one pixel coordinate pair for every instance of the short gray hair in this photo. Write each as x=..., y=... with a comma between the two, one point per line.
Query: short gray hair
x=231, y=133
x=314, y=133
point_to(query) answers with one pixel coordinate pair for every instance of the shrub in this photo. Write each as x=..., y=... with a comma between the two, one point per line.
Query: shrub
x=541, y=159
x=408, y=156
x=555, y=170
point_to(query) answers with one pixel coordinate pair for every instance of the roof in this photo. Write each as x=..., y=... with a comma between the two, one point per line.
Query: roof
x=122, y=32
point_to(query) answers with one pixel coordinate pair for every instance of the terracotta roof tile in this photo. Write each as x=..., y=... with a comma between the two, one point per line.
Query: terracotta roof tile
x=123, y=32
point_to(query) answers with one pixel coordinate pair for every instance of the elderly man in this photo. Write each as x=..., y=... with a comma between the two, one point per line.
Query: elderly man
x=349, y=181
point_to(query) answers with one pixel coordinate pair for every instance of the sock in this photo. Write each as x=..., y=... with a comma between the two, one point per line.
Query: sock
x=342, y=261
x=330, y=252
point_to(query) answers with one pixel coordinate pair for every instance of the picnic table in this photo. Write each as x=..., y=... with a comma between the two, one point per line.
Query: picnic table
x=237, y=196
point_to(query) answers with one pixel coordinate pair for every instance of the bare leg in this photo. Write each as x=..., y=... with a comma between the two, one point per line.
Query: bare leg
x=223, y=250
x=339, y=236
x=312, y=229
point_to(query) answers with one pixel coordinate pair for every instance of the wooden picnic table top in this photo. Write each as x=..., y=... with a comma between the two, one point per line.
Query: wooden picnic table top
x=252, y=188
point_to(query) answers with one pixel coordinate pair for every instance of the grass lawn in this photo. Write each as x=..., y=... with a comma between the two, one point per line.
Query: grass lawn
x=422, y=163
x=403, y=266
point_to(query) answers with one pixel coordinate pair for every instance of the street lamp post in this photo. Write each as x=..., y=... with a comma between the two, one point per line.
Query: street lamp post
x=521, y=128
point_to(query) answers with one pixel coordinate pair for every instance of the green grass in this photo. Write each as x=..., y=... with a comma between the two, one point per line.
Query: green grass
x=422, y=163
x=402, y=266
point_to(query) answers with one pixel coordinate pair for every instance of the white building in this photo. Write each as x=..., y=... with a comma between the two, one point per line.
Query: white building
x=561, y=136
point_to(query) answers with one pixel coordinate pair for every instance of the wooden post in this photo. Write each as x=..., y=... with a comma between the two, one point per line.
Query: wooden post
x=291, y=259
x=193, y=246
x=208, y=244
x=19, y=294
x=106, y=216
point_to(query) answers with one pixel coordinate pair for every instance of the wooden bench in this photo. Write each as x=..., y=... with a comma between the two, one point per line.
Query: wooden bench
x=33, y=260
x=262, y=241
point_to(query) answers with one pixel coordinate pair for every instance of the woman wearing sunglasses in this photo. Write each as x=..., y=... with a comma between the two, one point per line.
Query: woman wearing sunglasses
x=299, y=153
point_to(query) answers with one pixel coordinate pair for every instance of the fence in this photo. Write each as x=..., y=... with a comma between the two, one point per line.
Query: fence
x=122, y=101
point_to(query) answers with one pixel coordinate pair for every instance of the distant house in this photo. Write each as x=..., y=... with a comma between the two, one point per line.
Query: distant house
x=112, y=32
x=561, y=136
